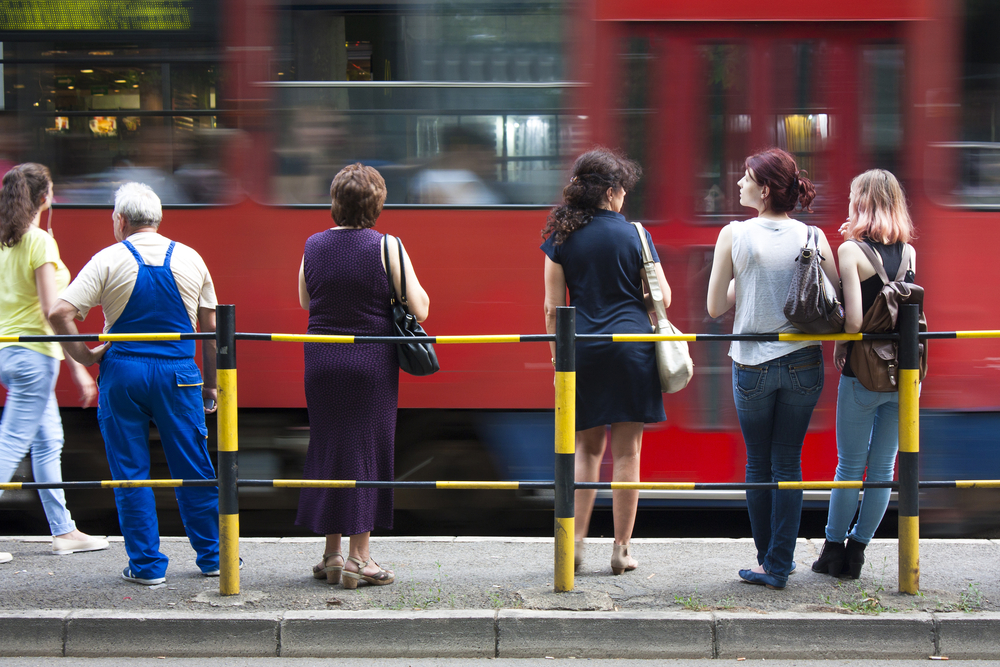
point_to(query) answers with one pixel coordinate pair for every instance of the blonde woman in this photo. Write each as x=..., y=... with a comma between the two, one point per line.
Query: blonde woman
x=867, y=421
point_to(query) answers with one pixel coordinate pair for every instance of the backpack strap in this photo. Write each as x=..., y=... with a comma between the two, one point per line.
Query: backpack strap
x=905, y=262
x=877, y=263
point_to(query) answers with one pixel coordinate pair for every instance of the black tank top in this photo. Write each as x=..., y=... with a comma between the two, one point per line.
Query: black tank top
x=891, y=255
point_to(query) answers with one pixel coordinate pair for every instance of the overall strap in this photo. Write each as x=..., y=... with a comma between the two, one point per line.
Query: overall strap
x=135, y=253
x=170, y=251
x=877, y=263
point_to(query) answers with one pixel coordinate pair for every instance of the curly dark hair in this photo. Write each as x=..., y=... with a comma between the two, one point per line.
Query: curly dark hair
x=789, y=186
x=357, y=195
x=25, y=187
x=593, y=173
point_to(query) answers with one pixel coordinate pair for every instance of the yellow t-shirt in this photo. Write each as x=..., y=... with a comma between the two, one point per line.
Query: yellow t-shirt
x=20, y=310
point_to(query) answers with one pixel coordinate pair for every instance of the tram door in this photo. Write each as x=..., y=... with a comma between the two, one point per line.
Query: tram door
x=691, y=101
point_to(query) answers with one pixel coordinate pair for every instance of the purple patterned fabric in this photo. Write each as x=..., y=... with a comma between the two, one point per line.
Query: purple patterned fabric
x=351, y=389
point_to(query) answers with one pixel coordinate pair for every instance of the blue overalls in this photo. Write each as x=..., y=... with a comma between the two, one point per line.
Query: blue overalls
x=158, y=381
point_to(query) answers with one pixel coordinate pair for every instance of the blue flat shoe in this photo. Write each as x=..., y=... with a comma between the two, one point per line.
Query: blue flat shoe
x=762, y=579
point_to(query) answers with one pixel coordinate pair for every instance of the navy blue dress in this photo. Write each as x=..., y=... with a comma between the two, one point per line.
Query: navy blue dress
x=615, y=382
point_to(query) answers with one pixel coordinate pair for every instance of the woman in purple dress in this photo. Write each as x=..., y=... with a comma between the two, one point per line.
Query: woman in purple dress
x=351, y=389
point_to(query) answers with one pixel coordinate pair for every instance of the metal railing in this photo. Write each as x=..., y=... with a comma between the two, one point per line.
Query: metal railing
x=563, y=484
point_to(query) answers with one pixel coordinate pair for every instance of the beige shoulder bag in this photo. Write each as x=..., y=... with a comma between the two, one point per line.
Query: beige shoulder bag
x=672, y=358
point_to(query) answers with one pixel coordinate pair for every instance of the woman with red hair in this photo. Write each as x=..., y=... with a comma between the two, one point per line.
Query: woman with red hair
x=776, y=384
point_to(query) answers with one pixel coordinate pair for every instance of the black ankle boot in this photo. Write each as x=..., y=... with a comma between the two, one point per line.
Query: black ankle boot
x=831, y=561
x=854, y=558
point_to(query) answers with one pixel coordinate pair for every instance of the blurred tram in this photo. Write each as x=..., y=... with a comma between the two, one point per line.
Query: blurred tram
x=239, y=112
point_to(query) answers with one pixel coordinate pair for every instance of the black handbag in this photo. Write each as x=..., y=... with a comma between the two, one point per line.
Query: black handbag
x=414, y=358
x=812, y=305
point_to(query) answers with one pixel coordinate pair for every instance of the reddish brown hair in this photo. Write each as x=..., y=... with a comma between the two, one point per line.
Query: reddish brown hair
x=788, y=185
x=24, y=190
x=357, y=195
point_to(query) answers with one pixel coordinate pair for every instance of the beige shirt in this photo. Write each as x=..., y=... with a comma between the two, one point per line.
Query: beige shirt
x=108, y=278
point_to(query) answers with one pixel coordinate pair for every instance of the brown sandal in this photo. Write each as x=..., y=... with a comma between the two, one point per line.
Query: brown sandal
x=380, y=578
x=330, y=572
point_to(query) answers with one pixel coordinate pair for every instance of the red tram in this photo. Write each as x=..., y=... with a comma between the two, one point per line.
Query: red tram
x=238, y=112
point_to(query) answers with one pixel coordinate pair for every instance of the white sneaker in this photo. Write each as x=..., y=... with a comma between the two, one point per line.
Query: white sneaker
x=128, y=576
x=5, y=557
x=62, y=546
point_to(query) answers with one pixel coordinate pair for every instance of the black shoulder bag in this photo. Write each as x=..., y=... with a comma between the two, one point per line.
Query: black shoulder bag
x=415, y=358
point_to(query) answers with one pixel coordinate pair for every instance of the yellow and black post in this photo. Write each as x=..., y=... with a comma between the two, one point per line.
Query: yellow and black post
x=229, y=509
x=909, y=449
x=565, y=469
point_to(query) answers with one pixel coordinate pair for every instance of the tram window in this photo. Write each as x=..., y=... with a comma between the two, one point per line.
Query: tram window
x=634, y=116
x=503, y=139
x=801, y=124
x=974, y=178
x=727, y=134
x=99, y=115
x=881, y=100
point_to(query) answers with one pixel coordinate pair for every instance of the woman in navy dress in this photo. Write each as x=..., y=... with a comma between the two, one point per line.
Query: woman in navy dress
x=591, y=249
x=351, y=389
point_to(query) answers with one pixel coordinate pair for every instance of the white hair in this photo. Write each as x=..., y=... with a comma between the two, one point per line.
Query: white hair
x=139, y=205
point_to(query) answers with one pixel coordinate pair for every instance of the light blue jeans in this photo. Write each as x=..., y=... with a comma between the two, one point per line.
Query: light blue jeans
x=31, y=424
x=867, y=435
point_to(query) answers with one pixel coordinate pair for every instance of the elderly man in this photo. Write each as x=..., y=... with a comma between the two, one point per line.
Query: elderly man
x=147, y=283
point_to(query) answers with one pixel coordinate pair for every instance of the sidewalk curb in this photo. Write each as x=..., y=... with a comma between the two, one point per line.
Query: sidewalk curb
x=507, y=633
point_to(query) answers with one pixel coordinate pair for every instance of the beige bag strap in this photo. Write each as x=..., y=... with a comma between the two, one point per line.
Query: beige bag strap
x=650, y=267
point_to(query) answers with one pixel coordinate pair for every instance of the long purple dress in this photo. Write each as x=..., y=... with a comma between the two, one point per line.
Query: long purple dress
x=351, y=389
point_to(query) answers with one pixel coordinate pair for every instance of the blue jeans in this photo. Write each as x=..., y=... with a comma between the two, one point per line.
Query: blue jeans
x=867, y=434
x=774, y=403
x=31, y=424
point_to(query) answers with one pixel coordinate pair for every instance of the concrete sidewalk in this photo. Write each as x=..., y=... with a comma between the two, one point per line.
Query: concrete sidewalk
x=491, y=597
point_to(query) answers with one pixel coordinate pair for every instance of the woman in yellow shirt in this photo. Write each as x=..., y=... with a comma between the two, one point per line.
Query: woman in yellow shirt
x=33, y=275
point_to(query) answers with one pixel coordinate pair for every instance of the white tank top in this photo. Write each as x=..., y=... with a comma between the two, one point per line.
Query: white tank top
x=764, y=253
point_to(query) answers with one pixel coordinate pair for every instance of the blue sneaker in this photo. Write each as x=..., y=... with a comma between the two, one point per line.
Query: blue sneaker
x=762, y=579
x=128, y=576
x=216, y=572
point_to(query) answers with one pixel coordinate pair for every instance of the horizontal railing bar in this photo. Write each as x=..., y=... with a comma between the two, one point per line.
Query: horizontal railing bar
x=104, y=338
x=500, y=485
x=765, y=486
x=442, y=340
x=423, y=84
x=366, y=484
x=485, y=338
x=110, y=484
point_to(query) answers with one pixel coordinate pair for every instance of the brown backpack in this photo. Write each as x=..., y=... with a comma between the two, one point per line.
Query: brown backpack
x=875, y=362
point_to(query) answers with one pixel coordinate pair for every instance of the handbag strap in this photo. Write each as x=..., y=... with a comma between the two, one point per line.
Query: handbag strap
x=650, y=267
x=402, y=272
x=388, y=271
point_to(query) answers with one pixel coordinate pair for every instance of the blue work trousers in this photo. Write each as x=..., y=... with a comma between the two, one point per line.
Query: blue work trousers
x=135, y=390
